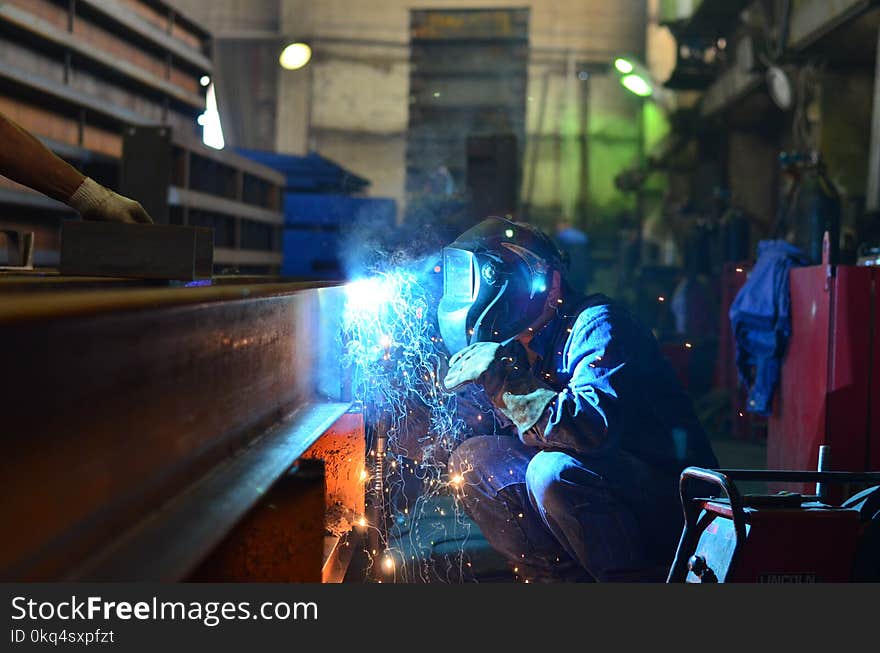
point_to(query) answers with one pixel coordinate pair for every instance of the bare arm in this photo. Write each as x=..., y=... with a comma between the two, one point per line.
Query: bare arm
x=27, y=161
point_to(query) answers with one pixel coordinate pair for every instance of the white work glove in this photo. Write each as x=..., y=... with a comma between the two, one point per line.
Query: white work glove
x=504, y=373
x=96, y=202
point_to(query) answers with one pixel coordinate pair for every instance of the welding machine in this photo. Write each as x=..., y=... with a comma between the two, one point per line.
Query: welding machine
x=776, y=538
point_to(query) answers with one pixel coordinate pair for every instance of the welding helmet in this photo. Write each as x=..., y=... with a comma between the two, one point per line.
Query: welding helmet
x=497, y=277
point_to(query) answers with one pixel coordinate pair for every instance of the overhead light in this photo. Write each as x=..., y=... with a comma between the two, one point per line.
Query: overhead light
x=205, y=80
x=295, y=56
x=780, y=87
x=636, y=84
x=636, y=78
x=623, y=66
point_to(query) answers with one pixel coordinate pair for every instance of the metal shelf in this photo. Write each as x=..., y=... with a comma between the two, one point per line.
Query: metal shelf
x=48, y=34
x=174, y=15
x=206, y=202
x=81, y=155
x=228, y=157
x=71, y=97
x=134, y=25
x=33, y=200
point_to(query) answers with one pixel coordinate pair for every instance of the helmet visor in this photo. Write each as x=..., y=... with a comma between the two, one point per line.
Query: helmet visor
x=458, y=275
x=459, y=294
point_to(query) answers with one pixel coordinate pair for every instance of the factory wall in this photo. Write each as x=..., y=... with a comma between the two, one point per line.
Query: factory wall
x=351, y=103
x=361, y=51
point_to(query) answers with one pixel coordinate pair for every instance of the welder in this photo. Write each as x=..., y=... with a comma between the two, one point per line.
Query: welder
x=27, y=161
x=584, y=484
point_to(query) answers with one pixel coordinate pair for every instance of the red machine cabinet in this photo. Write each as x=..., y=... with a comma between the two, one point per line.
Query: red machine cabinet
x=827, y=392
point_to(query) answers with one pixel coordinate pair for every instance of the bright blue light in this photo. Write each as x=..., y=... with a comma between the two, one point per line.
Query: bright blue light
x=372, y=308
x=539, y=285
x=395, y=353
x=367, y=294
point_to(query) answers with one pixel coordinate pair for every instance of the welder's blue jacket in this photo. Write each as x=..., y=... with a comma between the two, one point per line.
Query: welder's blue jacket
x=760, y=317
x=604, y=385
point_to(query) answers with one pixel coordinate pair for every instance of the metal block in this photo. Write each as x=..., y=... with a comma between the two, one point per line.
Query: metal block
x=146, y=168
x=109, y=249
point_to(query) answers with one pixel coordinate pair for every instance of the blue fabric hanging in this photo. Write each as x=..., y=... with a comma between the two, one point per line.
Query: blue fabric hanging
x=760, y=317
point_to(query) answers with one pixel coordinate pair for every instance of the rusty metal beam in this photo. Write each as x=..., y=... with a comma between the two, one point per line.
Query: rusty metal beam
x=121, y=400
x=167, y=545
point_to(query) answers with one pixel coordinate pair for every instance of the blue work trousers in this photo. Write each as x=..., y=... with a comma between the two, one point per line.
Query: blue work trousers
x=557, y=517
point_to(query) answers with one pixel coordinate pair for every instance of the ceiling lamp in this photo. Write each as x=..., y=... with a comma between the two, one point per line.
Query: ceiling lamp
x=295, y=56
x=637, y=84
x=624, y=67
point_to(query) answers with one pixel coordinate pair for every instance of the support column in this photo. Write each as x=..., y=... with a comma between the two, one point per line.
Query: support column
x=872, y=194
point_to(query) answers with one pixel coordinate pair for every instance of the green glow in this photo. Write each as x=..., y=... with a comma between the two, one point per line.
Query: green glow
x=623, y=66
x=637, y=85
x=656, y=126
x=508, y=233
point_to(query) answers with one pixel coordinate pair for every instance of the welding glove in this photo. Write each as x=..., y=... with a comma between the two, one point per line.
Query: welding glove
x=506, y=377
x=96, y=202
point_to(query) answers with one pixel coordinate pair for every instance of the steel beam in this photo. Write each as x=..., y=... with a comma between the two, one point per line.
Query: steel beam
x=813, y=19
x=119, y=402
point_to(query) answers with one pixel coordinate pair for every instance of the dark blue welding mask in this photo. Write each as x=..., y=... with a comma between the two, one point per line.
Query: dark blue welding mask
x=496, y=280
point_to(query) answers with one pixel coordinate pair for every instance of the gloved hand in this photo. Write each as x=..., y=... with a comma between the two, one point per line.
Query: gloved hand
x=504, y=373
x=471, y=363
x=96, y=202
